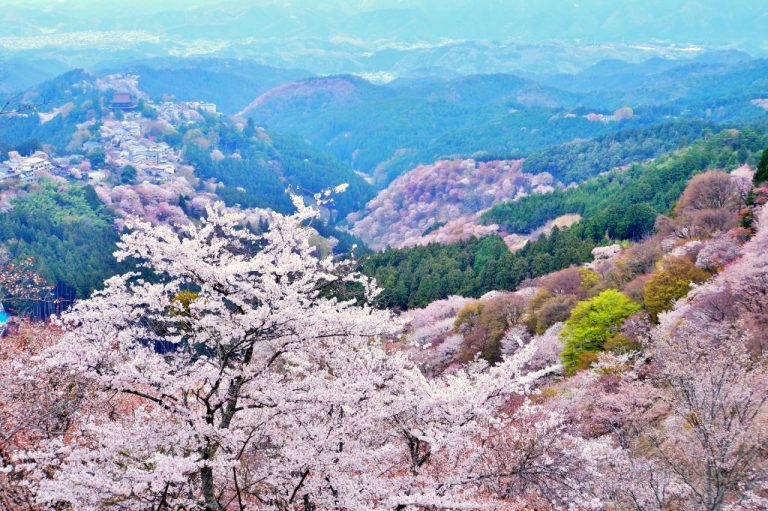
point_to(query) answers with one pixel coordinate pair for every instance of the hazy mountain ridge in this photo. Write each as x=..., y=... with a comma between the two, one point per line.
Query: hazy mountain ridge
x=383, y=254
x=227, y=82
x=678, y=20
x=383, y=130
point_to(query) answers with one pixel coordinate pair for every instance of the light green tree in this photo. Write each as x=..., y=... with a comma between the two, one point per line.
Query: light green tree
x=592, y=323
x=669, y=283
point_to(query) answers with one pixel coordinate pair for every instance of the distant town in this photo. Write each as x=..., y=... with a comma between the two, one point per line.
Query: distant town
x=124, y=149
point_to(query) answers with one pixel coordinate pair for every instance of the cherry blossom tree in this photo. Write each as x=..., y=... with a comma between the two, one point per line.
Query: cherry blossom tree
x=473, y=438
x=21, y=285
x=534, y=459
x=717, y=252
x=240, y=371
x=32, y=410
x=710, y=190
x=715, y=440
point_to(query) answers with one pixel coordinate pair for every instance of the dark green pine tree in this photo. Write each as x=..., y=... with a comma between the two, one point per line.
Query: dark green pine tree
x=761, y=175
x=250, y=128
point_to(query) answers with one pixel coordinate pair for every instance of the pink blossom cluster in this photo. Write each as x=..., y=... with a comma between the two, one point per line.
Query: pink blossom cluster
x=448, y=192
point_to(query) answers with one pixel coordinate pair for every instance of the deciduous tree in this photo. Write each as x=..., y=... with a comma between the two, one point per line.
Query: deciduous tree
x=591, y=324
x=246, y=373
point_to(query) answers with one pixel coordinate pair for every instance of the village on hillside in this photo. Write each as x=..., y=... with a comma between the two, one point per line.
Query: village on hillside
x=124, y=149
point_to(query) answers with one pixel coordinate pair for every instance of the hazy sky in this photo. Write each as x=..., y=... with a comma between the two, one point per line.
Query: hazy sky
x=716, y=22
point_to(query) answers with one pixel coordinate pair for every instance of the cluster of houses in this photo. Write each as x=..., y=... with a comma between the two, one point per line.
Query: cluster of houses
x=30, y=169
x=121, y=140
x=25, y=168
x=124, y=144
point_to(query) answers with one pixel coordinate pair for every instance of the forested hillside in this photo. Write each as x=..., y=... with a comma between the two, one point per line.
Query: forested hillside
x=619, y=206
x=256, y=167
x=73, y=93
x=383, y=255
x=229, y=83
x=247, y=165
x=574, y=162
x=655, y=185
x=447, y=194
x=385, y=130
x=67, y=232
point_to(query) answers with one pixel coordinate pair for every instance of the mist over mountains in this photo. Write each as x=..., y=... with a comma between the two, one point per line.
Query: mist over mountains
x=381, y=39
x=383, y=254
x=591, y=21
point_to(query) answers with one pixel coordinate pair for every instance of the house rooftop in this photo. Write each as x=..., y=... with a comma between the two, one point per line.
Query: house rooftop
x=122, y=100
x=122, y=97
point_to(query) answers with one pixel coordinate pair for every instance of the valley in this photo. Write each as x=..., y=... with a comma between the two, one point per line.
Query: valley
x=391, y=254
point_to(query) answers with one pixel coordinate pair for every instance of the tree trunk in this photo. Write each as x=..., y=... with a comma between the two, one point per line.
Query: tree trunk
x=209, y=492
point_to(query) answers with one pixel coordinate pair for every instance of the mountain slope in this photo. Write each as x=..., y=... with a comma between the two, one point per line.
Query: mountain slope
x=430, y=196
x=615, y=207
x=385, y=130
x=230, y=83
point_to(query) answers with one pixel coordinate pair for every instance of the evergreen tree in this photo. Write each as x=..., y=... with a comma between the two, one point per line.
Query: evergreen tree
x=761, y=174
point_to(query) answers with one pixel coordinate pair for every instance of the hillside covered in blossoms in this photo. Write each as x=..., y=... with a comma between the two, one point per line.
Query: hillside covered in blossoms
x=383, y=255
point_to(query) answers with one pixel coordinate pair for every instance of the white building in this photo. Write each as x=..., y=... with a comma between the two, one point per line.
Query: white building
x=201, y=105
x=25, y=168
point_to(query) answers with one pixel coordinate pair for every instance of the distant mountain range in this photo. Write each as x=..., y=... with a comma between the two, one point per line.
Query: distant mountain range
x=383, y=38
x=226, y=82
x=596, y=21
x=324, y=130
x=385, y=129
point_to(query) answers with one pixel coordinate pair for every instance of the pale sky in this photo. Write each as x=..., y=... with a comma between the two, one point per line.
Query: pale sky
x=698, y=21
